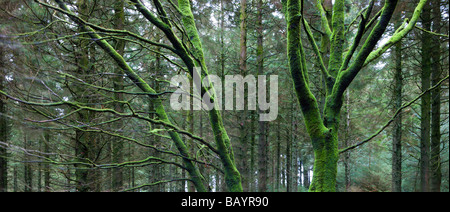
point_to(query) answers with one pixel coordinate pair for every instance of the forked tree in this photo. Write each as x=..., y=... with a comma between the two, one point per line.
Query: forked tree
x=343, y=67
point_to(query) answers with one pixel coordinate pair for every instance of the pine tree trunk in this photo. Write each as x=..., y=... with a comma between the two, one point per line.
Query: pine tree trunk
x=278, y=157
x=253, y=131
x=84, y=141
x=242, y=119
x=435, y=158
x=47, y=166
x=117, y=144
x=262, y=144
x=346, y=143
x=397, y=131
x=426, y=101
x=305, y=172
x=28, y=171
x=3, y=127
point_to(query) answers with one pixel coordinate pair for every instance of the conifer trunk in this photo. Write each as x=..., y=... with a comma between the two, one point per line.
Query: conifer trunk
x=244, y=144
x=3, y=128
x=117, y=144
x=425, y=101
x=397, y=131
x=262, y=139
x=435, y=157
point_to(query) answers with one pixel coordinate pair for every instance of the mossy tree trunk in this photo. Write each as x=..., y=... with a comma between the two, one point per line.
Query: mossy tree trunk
x=341, y=71
x=224, y=148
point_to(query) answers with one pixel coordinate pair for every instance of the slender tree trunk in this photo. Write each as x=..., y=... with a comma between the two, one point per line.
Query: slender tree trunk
x=117, y=144
x=426, y=101
x=435, y=157
x=243, y=168
x=252, y=150
x=305, y=166
x=28, y=171
x=295, y=156
x=346, y=143
x=84, y=141
x=289, y=151
x=3, y=127
x=47, y=166
x=262, y=145
x=191, y=146
x=278, y=157
x=397, y=131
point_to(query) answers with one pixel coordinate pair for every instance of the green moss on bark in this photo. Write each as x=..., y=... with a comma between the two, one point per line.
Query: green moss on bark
x=232, y=175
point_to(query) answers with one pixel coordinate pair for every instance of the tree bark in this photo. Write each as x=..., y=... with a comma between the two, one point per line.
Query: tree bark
x=243, y=156
x=3, y=127
x=84, y=141
x=323, y=132
x=435, y=157
x=397, y=130
x=425, y=101
x=47, y=166
x=117, y=144
x=262, y=139
x=347, y=173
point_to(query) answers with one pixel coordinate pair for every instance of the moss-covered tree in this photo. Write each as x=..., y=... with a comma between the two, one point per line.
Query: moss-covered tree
x=341, y=71
x=191, y=53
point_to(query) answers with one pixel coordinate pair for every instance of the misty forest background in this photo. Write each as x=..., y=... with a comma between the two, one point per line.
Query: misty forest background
x=72, y=120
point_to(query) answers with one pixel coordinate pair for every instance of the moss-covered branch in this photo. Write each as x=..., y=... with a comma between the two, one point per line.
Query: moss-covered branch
x=359, y=34
x=323, y=17
x=308, y=102
x=346, y=77
x=179, y=48
x=337, y=38
x=399, y=34
x=225, y=151
x=79, y=20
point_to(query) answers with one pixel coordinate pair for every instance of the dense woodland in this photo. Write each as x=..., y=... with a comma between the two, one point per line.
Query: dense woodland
x=363, y=95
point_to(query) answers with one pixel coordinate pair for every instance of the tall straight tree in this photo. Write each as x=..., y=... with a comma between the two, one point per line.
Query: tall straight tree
x=397, y=130
x=425, y=116
x=435, y=144
x=3, y=127
x=341, y=71
x=117, y=144
x=262, y=139
x=3, y=106
x=84, y=141
x=243, y=118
